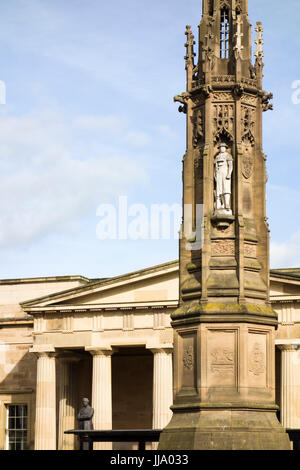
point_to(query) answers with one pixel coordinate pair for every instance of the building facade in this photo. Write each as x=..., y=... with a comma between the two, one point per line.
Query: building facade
x=200, y=334
x=111, y=340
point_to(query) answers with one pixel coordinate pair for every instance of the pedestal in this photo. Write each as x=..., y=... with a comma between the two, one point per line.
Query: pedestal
x=224, y=389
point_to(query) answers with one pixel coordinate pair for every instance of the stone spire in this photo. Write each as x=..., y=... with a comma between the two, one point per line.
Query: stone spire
x=190, y=54
x=259, y=53
x=224, y=325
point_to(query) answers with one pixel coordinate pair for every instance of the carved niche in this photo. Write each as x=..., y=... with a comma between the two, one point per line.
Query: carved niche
x=198, y=121
x=223, y=122
x=248, y=124
x=211, y=7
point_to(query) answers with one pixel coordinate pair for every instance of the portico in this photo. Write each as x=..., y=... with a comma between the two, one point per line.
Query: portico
x=120, y=356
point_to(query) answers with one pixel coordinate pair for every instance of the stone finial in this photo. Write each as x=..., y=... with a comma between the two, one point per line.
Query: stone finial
x=190, y=54
x=238, y=35
x=259, y=53
x=208, y=47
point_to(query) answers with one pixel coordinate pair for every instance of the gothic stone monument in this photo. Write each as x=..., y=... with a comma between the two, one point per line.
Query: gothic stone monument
x=224, y=395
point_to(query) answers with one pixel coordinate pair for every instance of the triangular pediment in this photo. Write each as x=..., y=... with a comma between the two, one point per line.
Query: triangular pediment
x=158, y=284
x=284, y=284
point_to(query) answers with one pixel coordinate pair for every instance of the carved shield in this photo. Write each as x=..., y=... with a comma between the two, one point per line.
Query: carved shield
x=247, y=166
x=188, y=358
x=257, y=360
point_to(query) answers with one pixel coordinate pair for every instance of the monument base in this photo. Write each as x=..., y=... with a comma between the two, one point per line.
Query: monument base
x=224, y=429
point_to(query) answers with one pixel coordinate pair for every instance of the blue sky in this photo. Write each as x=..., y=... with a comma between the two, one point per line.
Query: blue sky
x=89, y=116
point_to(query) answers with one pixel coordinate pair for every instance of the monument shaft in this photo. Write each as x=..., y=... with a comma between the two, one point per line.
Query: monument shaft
x=224, y=355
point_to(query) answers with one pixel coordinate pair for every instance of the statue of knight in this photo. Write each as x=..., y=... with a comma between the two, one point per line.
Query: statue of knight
x=223, y=167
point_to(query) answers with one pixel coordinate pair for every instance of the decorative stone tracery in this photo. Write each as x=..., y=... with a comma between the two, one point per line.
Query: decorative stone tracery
x=223, y=122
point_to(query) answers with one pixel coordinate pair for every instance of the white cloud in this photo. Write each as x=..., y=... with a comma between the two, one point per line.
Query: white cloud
x=286, y=254
x=111, y=124
x=43, y=187
x=166, y=131
x=138, y=139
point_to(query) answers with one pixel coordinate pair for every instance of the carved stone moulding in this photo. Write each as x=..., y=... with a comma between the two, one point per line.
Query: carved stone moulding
x=222, y=219
x=249, y=81
x=201, y=89
x=249, y=99
x=223, y=79
x=188, y=357
x=222, y=96
x=250, y=250
x=224, y=4
x=222, y=248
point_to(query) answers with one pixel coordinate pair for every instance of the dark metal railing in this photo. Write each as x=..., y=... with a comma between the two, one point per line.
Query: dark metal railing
x=141, y=436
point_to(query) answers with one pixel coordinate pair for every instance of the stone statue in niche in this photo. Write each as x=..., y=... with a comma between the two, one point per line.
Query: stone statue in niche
x=223, y=167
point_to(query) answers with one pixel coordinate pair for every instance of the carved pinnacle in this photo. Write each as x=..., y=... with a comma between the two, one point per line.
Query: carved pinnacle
x=190, y=54
x=259, y=53
x=238, y=35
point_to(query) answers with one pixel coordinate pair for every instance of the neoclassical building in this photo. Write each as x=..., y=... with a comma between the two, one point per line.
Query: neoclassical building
x=111, y=340
x=202, y=332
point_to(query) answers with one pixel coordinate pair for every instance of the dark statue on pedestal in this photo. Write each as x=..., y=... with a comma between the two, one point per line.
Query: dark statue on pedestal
x=85, y=416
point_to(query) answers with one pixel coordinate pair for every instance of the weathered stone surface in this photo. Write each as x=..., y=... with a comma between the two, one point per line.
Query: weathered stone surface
x=224, y=355
x=224, y=430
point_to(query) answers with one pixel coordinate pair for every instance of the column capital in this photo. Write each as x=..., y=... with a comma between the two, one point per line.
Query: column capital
x=161, y=348
x=288, y=347
x=43, y=350
x=98, y=351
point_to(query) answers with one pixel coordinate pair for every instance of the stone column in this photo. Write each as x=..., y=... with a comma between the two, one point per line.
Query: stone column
x=102, y=393
x=67, y=418
x=45, y=417
x=162, y=386
x=288, y=395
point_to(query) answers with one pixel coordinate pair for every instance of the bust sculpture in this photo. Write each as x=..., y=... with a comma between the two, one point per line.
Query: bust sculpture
x=223, y=167
x=85, y=416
